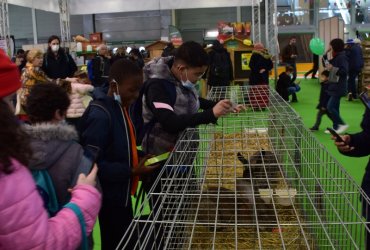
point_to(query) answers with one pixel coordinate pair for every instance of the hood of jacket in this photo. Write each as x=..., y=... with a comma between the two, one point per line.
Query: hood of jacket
x=49, y=142
x=159, y=68
x=264, y=54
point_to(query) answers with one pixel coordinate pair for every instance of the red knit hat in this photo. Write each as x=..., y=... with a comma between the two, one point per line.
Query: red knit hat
x=10, y=80
x=259, y=47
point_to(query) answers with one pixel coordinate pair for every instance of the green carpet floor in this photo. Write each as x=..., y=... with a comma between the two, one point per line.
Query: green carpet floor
x=351, y=113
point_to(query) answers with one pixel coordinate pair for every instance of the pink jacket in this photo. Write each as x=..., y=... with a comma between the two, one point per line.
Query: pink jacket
x=24, y=223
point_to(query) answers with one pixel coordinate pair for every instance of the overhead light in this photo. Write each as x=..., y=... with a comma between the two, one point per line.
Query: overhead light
x=212, y=33
x=142, y=48
x=128, y=50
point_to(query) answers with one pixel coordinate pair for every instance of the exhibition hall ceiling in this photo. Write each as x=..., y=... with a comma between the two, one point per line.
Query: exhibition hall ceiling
x=79, y=7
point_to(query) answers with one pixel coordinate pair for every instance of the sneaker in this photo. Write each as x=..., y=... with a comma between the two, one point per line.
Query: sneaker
x=314, y=129
x=342, y=128
x=350, y=97
x=305, y=76
x=327, y=132
x=314, y=77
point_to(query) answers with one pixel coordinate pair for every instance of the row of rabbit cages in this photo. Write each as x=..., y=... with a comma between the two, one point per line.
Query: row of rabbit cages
x=251, y=183
x=251, y=188
x=260, y=100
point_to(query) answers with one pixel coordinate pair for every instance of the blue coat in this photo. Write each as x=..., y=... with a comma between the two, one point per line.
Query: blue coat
x=339, y=88
x=355, y=58
x=111, y=135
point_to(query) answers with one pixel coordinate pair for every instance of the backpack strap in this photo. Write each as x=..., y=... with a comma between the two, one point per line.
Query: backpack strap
x=97, y=103
x=81, y=219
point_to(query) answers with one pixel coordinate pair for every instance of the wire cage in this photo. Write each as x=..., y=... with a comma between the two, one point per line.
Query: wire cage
x=262, y=183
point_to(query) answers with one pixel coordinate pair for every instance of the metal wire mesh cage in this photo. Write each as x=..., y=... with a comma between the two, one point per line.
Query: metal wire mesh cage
x=263, y=183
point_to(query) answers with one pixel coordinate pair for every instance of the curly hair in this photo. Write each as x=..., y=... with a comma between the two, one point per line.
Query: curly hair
x=14, y=142
x=44, y=99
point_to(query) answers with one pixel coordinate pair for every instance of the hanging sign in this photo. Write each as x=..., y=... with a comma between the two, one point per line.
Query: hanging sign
x=175, y=36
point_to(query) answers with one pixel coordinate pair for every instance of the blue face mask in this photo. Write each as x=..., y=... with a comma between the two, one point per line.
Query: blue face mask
x=117, y=97
x=187, y=84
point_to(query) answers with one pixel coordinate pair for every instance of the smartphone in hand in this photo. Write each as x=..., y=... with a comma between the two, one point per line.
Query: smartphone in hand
x=364, y=97
x=338, y=138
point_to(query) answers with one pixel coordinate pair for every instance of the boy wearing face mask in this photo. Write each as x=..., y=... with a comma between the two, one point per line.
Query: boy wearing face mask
x=181, y=72
x=108, y=126
x=57, y=63
x=285, y=87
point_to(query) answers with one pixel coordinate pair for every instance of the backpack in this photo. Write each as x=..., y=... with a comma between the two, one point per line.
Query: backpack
x=136, y=109
x=220, y=64
x=45, y=187
x=90, y=70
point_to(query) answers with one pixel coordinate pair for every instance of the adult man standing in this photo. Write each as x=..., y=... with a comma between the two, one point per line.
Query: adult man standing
x=356, y=63
x=290, y=53
x=101, y=66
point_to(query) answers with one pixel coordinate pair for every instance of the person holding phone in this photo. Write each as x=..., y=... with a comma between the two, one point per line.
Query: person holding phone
x=358, y=145
x=24, y=222
x=107, y=125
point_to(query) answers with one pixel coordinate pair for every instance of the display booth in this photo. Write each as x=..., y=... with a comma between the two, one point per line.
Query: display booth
x=156, y=49
x=240, y=55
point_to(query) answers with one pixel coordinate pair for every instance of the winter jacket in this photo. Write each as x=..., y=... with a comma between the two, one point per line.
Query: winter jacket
x=258, y=61
x=361, y=144
x=282, y=85
x=172, y=118
x=79, y=92
x=62, y=66
x=288, y=51
x=355, y=58
x=220, y=71
x=111, y=134
x=24, y=222
x=55, y=149
x=30, y=76
x=340, y=64
x=324, y=96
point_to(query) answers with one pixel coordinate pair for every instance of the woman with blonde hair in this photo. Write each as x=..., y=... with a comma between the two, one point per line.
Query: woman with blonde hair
x=33, y=74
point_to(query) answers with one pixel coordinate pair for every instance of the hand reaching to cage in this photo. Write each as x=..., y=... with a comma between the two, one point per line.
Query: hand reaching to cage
x=237, y=108
x=141, y=169
x=222, y=108
x=343, y=146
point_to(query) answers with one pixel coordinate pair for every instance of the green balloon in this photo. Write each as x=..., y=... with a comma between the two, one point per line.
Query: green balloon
x=317, y=46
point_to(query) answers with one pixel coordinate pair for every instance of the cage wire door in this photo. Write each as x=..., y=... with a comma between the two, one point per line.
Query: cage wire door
x=257, y=180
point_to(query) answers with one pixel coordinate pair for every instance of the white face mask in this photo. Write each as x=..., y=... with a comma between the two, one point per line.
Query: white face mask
x=187, y=84
x=117, y=97
x=55, y=47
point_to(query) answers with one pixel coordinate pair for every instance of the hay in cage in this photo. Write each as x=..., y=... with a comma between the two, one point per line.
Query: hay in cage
x=224, y=166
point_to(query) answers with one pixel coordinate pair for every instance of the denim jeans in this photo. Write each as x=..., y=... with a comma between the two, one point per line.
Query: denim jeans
x=333, y=108
x=294, y=89
x=352, y=75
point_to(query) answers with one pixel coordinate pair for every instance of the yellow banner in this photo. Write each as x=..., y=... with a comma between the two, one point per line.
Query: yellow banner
x=245, y=60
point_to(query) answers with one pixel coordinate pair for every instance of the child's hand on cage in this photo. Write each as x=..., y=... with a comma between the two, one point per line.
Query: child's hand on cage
x=222, y=108
x=237, y=108
x=141, y=169
x=343, y=146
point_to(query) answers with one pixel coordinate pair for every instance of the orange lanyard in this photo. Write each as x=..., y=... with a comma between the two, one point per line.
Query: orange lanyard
x=134, y=155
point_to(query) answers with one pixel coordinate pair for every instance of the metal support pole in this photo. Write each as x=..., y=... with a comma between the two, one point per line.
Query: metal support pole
x=238, y=14
x=256, y=21
x=4, y=24
x=65, y=29
x=267, y=38
x=173, y=17
x=34, y=26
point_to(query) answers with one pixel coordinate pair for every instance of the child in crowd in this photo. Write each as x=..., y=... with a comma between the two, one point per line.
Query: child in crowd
x=285, y=87
x=24, y=222
x=108, y=126
x=323, y=100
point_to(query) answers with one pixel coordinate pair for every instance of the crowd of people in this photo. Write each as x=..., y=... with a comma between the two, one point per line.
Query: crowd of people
x=53, y=118
x=39, y=141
